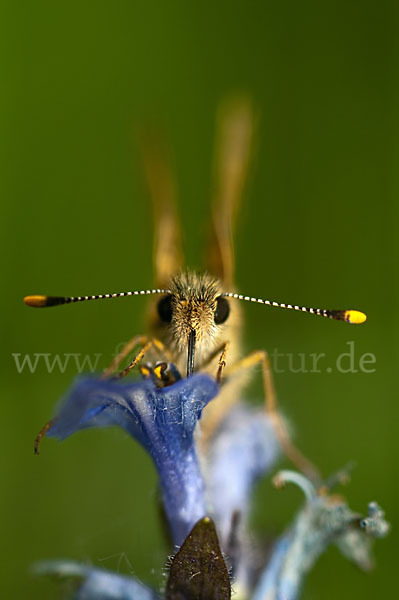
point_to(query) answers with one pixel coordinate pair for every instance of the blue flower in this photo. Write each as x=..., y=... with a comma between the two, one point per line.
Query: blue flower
x=244, y=449
x=161, y=420
x=208, y=511
x=323, y=520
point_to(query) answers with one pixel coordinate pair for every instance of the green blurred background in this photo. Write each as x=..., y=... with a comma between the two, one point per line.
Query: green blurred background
x=77, y=79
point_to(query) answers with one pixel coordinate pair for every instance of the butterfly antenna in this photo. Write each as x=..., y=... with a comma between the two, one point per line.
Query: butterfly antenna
x=350, y=316
x=45, y=301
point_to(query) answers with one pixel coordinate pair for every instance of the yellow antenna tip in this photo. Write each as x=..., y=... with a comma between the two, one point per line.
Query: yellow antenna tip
x=36, y=301
x=355, y=316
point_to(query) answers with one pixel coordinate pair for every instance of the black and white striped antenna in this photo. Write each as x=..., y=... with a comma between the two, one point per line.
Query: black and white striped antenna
x=350, y=316
x=45, y=301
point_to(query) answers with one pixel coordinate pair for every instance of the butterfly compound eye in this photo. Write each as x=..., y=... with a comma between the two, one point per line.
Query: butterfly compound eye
x=222, y=310
x=165, y=309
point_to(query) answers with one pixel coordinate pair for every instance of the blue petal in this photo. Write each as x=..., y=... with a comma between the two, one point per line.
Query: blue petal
x=97, y=584
x=244, y=449
x=162, y=420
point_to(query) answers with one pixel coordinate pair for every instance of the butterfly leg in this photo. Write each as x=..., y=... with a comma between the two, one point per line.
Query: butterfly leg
x=137, y=340
x=290, y=450
x=222, y=350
